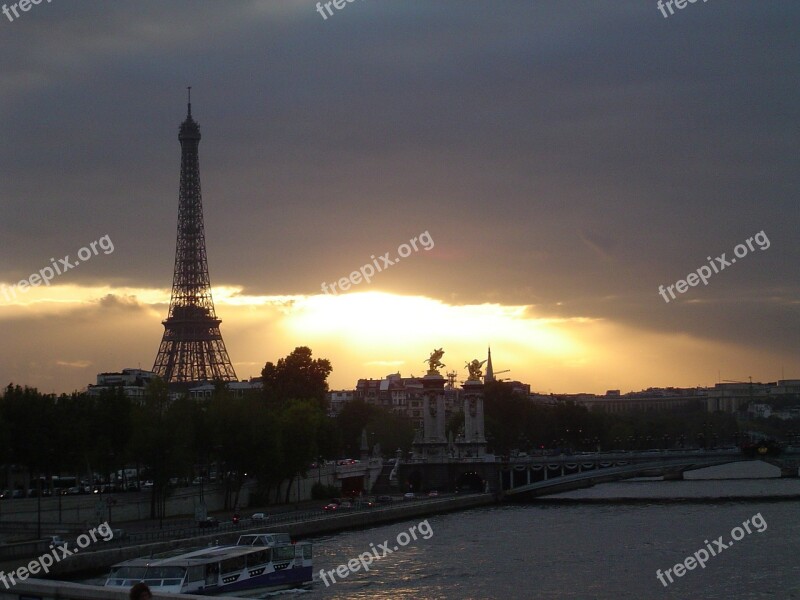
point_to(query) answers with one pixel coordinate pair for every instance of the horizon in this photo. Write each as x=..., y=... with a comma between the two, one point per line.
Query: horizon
x=604, y=197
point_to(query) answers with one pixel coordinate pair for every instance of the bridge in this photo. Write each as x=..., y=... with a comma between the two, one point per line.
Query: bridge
x=525, y=478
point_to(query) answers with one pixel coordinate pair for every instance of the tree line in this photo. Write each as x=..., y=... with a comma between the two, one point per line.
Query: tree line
x=277, y=433
x=272, y=435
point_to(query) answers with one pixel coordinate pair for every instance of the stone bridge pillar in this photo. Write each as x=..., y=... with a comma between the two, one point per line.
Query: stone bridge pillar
x=473, y=443
x=433, y=444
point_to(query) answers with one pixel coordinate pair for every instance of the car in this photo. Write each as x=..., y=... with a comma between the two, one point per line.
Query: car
x=208, y=522
x=119, y=534
x=433, y=494
x=409, y=496
x=346, y=505
x=330, y=507
x=259, y=517
x=383, y=499
x=56, y=541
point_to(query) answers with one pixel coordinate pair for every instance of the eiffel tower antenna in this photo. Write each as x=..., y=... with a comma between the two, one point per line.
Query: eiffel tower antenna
x=191, y=349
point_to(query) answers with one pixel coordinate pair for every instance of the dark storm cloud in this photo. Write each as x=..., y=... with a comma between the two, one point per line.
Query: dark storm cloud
x=573, y=155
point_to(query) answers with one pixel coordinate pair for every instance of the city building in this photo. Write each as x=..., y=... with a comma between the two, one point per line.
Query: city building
x=205, y=390
x=337, y=400
x=133, y=382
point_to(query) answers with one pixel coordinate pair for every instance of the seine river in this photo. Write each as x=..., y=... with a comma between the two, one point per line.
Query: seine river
x=602, y=549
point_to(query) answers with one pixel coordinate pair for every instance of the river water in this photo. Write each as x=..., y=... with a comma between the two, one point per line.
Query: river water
x=607, y=548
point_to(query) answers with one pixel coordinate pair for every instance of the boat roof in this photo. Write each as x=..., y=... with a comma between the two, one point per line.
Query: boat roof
x=187, y=557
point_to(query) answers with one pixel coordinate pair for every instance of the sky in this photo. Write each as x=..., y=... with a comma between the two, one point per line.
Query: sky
x=561, y=160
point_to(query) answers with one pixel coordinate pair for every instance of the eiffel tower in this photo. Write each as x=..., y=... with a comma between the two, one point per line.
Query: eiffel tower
x=192, y=349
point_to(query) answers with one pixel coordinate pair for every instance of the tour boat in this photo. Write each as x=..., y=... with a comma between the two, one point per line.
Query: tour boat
x=258, y=563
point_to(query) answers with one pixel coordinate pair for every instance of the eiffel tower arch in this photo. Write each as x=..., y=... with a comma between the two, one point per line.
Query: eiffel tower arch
x=192, y=348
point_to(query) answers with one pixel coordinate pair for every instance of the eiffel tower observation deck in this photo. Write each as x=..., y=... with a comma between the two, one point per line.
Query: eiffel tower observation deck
x=192, y=349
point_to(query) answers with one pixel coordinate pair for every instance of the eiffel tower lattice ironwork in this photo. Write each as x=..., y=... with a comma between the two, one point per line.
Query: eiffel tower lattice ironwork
x=192, y=348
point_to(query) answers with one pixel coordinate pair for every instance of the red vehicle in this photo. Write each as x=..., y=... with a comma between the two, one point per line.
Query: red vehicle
x=236, y=518
x=330, y=507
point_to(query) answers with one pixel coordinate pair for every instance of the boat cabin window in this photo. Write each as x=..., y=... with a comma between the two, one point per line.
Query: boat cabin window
x=307, y=551
x=261, y=557
x=136, y=573
x=264, y=539
x=126, y=576
x=283, y=553
x=197, y=573
x=212, y=573
x=158, y=576
x=232, y=565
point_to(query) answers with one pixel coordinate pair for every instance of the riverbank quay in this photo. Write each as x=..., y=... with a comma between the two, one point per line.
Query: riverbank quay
x=100, y=557
x=41, y=589
x=669, y=500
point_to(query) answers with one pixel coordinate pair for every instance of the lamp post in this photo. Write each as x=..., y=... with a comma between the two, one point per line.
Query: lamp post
x=110, y=501
x=39, y=507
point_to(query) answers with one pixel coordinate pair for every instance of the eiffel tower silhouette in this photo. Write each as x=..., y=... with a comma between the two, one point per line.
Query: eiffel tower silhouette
x=192, y=349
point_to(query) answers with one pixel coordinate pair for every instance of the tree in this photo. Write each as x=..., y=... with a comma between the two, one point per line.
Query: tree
x=296, y=377
x=299, y=424
x=162, y=438
x=351, y=421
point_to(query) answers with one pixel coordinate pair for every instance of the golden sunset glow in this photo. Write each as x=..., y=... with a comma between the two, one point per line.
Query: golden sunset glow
x=367, y=334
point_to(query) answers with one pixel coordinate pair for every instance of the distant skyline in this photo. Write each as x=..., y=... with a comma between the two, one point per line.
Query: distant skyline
x=570, y=161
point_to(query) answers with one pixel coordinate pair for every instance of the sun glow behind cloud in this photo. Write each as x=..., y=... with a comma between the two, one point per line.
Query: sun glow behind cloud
x=364, y=335
x=405, y=322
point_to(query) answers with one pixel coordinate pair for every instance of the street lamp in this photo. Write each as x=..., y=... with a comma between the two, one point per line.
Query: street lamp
x=39, y=507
